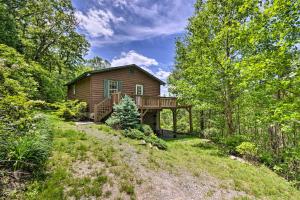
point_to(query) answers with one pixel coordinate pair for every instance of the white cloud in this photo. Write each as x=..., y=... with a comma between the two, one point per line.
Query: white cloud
x=144, y=20
x=133, y=57
x=163, y=75
x=164, y=91
x=98, y=22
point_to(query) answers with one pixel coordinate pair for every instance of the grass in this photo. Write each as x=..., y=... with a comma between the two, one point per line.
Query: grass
x=198, y=158
x=73, y=150
x=103, y=169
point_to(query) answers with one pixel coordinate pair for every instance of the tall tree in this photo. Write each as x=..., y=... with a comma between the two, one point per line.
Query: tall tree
x=47, y=29
x=98, y=63
x=208, y=56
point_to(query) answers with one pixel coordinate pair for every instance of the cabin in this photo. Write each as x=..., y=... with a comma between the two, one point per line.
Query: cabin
x=101, y=89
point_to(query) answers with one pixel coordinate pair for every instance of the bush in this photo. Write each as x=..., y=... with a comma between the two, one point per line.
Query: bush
x=248, y=150
x=125, y=114
x=72, y=110
x=134, y=134
x=210, y=133
x=113, y=122
x=43, y=105
x=155, y=141
x=230, y=143
x=145, y=128
x=27, y=150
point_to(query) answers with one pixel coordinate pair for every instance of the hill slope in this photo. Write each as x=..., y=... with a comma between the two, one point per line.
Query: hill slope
x=92, y=161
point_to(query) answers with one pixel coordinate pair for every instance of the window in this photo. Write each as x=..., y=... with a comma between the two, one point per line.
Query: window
x=113, y=86
x=139, y=89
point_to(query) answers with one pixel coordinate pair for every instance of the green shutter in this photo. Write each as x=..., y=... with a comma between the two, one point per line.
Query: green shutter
x=120, y=86
x=106, y=88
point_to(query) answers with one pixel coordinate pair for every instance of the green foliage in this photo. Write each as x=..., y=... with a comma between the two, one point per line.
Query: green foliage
x=155, y=141
x=239, y=65
x=113, y=122
x=125, y=114
x=72, y=110
x=22, y=77
x=152, y=138
x=27, y=149
x=105, y=128
x=248, y=150
x=97, y=63
x=229, y=143
x=8, y=30
x=145, y=128
x=134, y=134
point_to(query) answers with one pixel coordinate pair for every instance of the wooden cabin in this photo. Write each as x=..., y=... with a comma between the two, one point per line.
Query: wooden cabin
x=101, y=89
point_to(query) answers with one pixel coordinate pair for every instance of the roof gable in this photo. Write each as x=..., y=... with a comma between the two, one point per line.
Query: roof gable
x=89, y=73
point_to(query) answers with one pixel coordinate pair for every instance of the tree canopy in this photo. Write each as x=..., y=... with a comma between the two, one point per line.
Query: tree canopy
x=239, y=65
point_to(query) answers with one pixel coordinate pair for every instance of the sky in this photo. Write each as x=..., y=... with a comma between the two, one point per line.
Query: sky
x=141, y=32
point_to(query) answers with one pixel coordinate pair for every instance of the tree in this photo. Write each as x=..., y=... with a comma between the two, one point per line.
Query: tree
x=239, y=63
x=207, y=57
x=47, y=30
x=125, y=114
x=97, y=63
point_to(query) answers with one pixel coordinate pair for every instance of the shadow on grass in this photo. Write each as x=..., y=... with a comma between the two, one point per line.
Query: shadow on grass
x=171, y=136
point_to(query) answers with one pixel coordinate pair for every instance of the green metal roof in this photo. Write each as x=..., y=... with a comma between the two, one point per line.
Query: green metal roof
x=89, y=73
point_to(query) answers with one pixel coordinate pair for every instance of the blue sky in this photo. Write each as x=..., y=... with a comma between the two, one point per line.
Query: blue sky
x=141, y=32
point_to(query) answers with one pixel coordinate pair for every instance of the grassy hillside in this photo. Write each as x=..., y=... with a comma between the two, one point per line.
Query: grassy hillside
x=94, y=161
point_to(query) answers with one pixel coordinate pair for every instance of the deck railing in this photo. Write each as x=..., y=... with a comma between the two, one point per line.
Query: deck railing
x=147, y=102
x=155, y=102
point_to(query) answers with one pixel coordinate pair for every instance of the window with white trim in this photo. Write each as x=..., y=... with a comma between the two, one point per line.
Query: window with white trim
x=139, y=89
x=113, y=86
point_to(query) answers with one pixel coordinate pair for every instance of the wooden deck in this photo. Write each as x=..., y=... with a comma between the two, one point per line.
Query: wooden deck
x=147, y=102
x=155, y=102
x=144, y=104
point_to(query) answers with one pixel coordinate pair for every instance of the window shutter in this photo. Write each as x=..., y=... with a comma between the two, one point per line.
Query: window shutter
x=119, y=86
x=106, y=88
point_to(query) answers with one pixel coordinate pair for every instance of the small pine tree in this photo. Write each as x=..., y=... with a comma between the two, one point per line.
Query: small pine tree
x=127, y=113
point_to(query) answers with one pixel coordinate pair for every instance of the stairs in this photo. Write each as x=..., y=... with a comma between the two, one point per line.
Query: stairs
x=103, y=109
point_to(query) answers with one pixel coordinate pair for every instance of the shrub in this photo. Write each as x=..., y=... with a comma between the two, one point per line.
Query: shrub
x=72, y=110
x=155, y=141
x=248, y=150
x=134, y=134
x=126, y=113
x=152, y=138
x=210, y=132
x=29, y=150
x=145, y=128
x=113, y=122
x=43, y=105
x=230, y=143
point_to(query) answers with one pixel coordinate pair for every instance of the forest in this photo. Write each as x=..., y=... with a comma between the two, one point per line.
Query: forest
x=238, y=65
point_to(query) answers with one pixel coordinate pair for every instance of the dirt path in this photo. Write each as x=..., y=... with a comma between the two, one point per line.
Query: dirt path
x=159, y=183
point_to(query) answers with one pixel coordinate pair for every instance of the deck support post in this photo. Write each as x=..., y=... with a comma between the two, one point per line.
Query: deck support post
x=143, y=113
x=174, y=111
x=158, y=121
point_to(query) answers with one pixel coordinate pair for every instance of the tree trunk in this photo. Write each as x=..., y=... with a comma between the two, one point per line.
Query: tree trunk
x=202, y=123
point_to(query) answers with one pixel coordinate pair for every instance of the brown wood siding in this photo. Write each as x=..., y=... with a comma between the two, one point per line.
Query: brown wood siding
x=129, y=78
x=82, y=90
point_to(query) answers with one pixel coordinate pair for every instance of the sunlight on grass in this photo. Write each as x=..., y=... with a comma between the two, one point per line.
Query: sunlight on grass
x=79, y=166
x=198, y=158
